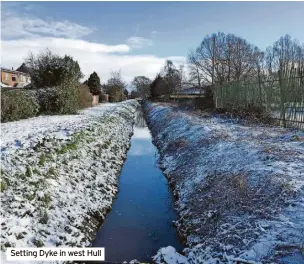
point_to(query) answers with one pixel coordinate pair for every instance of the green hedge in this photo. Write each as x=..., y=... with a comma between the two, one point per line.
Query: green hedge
x=18, y=104
x=24, y=103
x=85, y=97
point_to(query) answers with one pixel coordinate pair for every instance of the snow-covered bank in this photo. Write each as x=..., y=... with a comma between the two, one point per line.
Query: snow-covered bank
x=239, y=189
x=59, y=174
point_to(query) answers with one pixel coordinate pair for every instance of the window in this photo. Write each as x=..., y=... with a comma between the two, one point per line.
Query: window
x=6, y=76
x=14, y=78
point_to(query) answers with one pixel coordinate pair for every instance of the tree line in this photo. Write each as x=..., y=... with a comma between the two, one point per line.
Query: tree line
x=221, y=58
x=51, y=70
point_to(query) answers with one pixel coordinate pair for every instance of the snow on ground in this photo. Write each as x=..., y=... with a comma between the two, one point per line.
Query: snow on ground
x=59, y=175
x=24, y=130
x=239, y=189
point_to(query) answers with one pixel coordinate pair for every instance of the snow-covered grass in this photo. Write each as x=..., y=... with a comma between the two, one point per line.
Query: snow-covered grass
x=239, y=189
x=59, y=174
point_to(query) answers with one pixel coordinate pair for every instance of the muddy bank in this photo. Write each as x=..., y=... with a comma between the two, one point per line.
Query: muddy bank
x=58, y=185
x=238, y=189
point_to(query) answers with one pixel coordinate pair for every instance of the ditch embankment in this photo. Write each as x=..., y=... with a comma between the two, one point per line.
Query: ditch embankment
x=239, y=189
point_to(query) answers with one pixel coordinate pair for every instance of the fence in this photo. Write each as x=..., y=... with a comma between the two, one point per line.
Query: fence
x=281, y=95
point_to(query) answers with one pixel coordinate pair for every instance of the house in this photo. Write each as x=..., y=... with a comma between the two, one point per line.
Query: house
x=15, y=78
x=192, y=90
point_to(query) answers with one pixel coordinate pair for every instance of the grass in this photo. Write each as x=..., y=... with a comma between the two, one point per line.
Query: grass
x=3, y=185
x=3, y=182
x=42, y=159
x=46, y=200
x=179, y=143
x=19, y=236
x=28, y=172
x=73, y=145
x=39, y=243
x=31, y=196
x=52, y=173
x=36, y=171
x=44, y=218
x=107, y=144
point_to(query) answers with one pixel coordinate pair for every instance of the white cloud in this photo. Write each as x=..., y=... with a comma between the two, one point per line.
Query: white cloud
x=139, y=42
x=62, y=43
x=27, y=26
x=91, y=56
x=23, y=33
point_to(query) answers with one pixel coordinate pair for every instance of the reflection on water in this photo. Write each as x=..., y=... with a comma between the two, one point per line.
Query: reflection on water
x=141, y=218
x=140, y=120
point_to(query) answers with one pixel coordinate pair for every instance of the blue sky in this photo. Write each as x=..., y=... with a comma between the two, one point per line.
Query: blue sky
x=139, y=35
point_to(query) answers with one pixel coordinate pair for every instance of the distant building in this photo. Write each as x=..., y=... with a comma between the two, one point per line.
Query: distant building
x=15, y=78
x=193, y=90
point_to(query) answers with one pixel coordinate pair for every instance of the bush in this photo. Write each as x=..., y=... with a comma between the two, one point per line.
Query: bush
x=115, y=93
x=48, y=70
x=63, y=99
x=21, y=104
x=206, y=102
x=85, y=97
x=134, y=94
x=18, y=104
x=68, y=97
x=59, y=74
x=47, y=99
x=252, y=113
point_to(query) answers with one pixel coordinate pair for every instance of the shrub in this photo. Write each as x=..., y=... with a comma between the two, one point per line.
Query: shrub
x=48, y=70
x=48, y=99
x=63, y=99
x=85, y=97
x=115, y=93
x=59, y=74
x=134, y=94
x=68, y=97
x=250, y=113
x=206, y=102
x=18, y=104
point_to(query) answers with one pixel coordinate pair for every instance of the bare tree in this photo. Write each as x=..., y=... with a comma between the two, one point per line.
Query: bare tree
x=116, y=79
x=171, y=76
x=142, y=86
x=221, y=58
x=285, y=54
x=116, y=86
x=194, y=70
x=182, y=79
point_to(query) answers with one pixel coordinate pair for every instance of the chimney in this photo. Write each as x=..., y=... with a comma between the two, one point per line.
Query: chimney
x=12, y=68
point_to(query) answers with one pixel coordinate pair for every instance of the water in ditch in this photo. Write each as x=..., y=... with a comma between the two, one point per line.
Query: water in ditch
x=141, y=218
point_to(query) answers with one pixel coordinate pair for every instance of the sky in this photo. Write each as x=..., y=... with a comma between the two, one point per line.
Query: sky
x=137, y=37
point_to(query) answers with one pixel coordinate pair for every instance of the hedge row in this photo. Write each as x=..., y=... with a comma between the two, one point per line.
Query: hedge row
x=18, y=104
x=25, y=103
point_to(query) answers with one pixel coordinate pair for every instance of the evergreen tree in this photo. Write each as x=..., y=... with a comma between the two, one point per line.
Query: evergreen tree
x=94, y=83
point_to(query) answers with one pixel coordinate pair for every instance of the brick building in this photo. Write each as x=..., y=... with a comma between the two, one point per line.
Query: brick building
x=15, y=78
